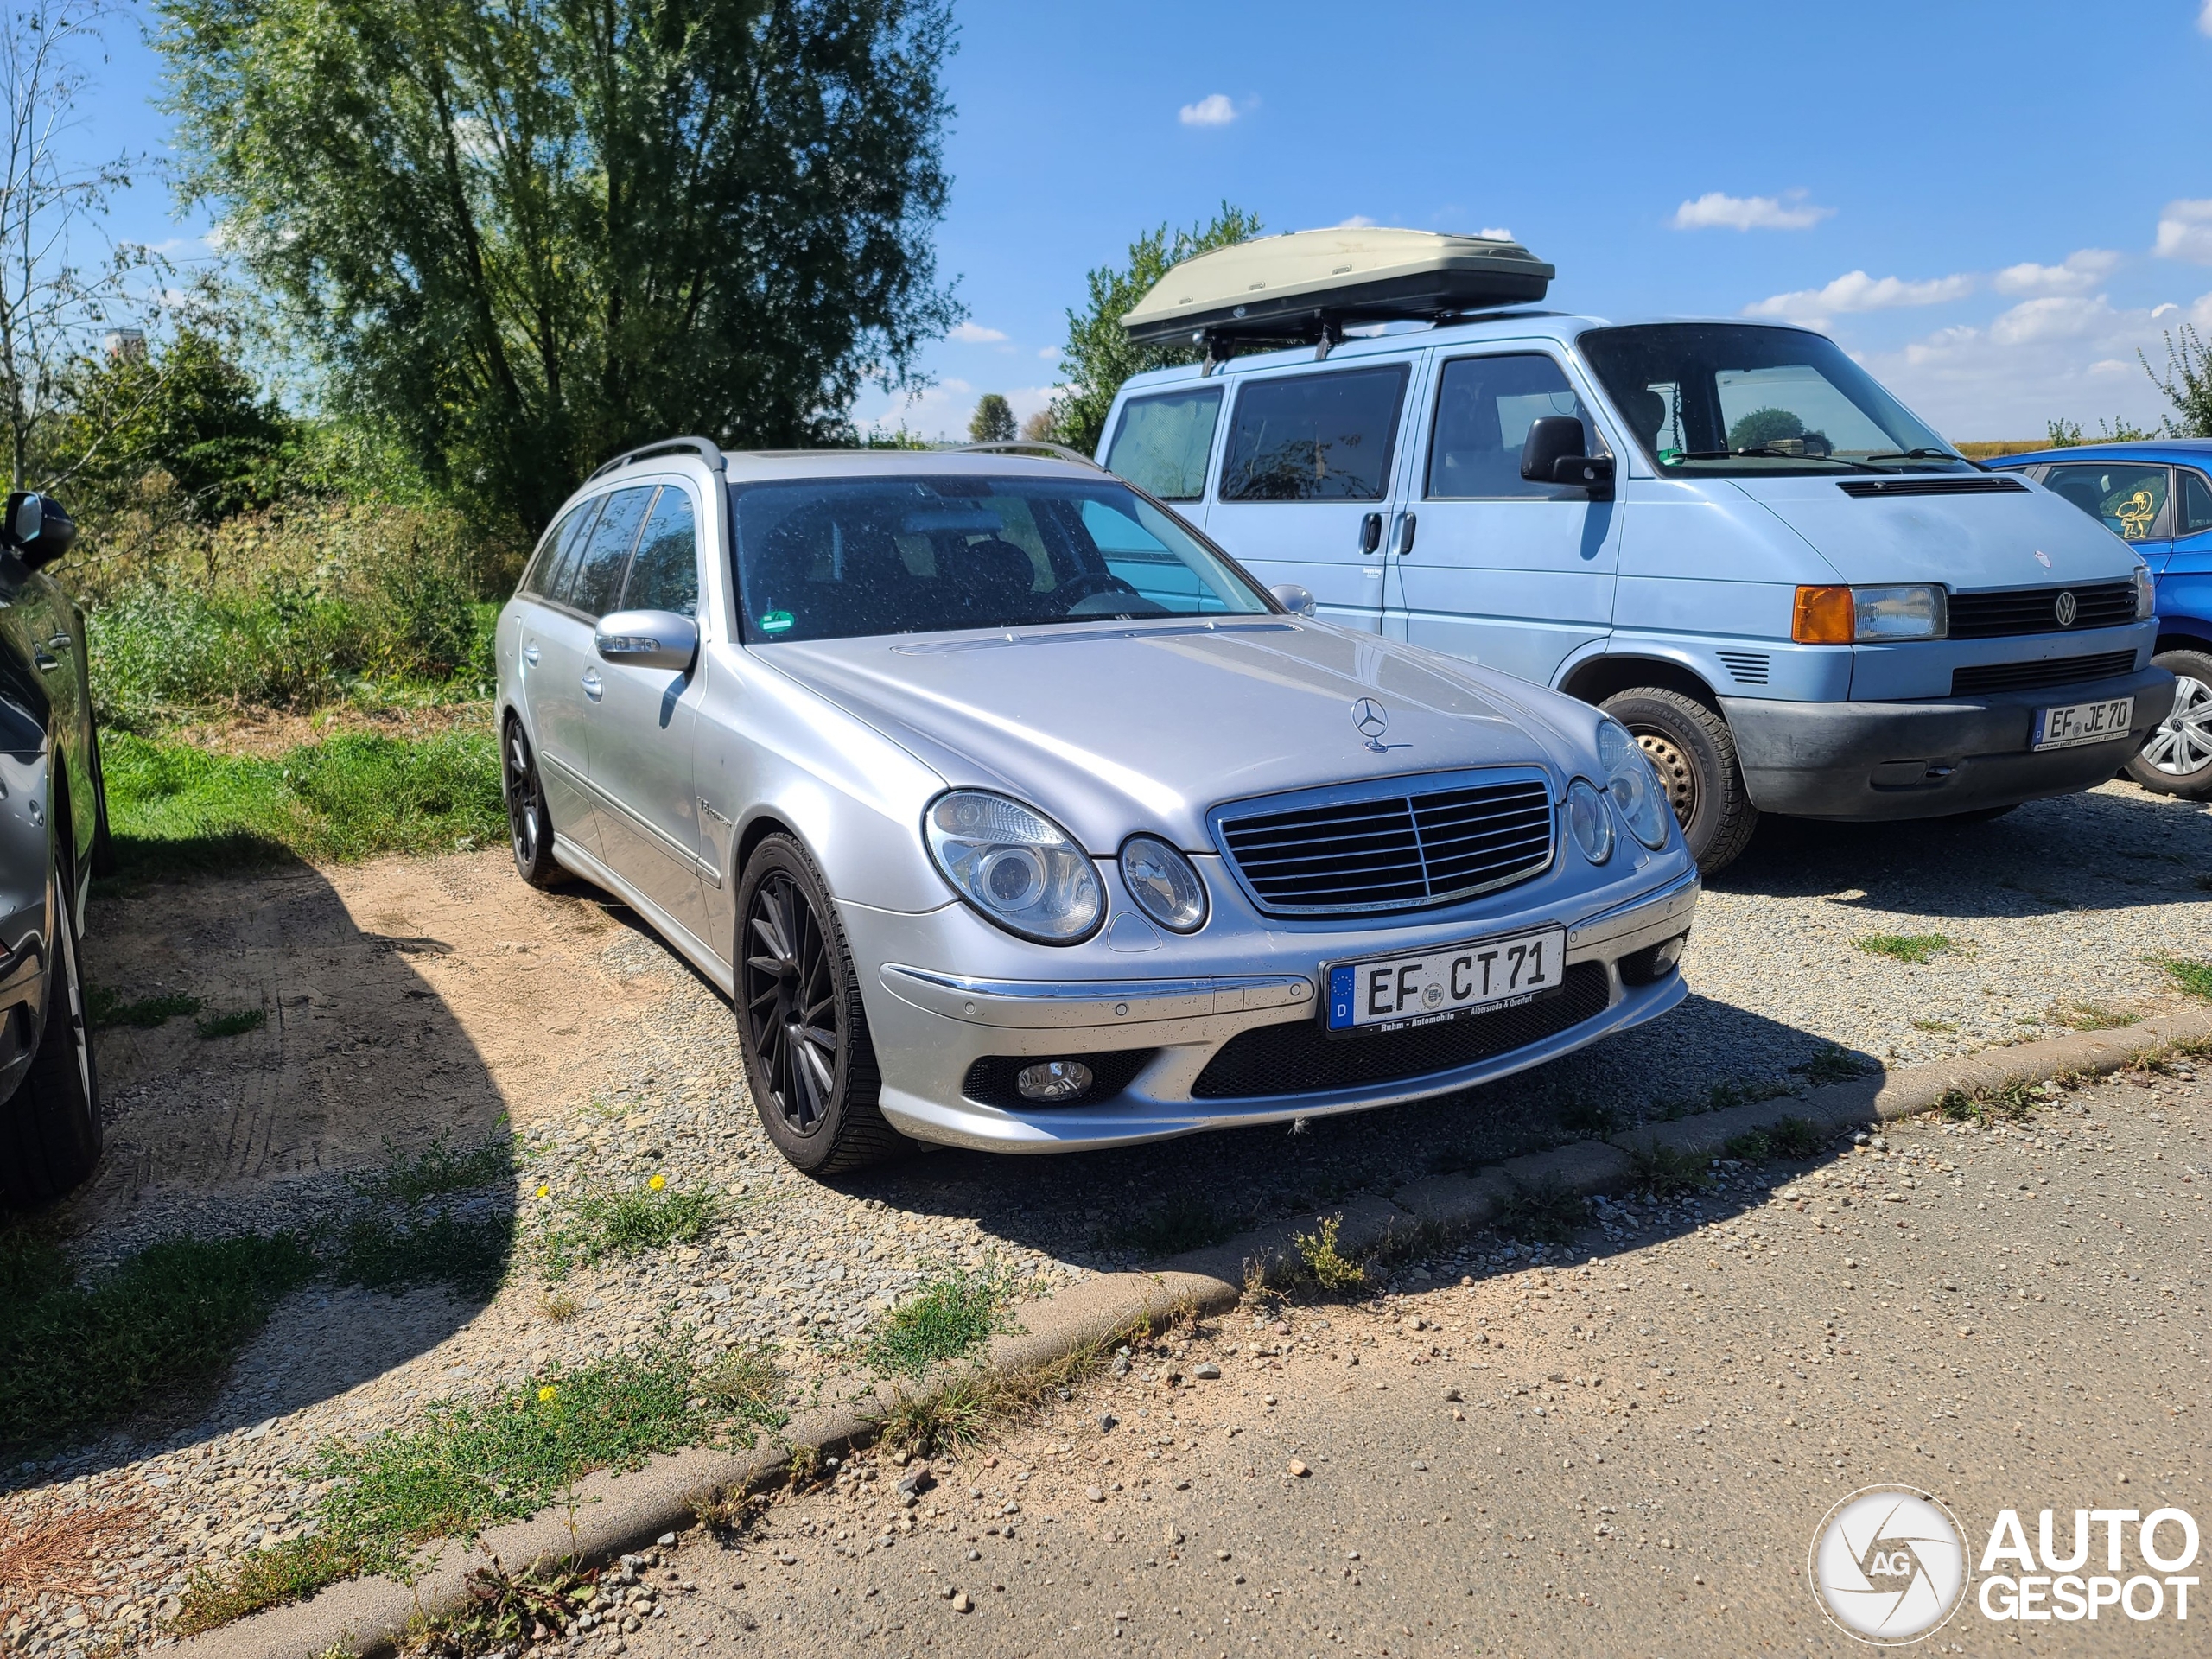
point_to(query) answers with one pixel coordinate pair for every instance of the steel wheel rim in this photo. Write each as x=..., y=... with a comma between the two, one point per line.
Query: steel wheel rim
x=80, y=1034
x=1676, y=776
x=790, y=1003
x=522, y=799
x=2182, y=745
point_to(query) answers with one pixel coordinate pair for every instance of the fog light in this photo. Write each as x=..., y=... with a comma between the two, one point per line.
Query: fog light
x=1654, y=962
x=1053, y=1080
x=1669, y=953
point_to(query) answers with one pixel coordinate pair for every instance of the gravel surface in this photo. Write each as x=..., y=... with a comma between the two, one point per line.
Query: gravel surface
x=1627, y=1453
x=2043, y=933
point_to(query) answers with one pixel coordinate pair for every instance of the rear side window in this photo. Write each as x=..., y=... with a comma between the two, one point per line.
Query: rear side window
x=2196, y=504
x=2127, y=498
x=549, y=574
x=606, y=550
x=1485, y=406
x=665, y=575
x=1163, y=443
x=1314, y=437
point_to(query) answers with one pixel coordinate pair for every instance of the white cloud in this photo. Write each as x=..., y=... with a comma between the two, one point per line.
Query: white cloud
x=1214, y=109
x=1496, y=233
x=1050, y=353
x=2082, y=271
x=975, y=334
x=2185, y=230
x=1357, y=222
x=940, y=412
x=1716, y=210
x=2204, y=19
x=1856, y=291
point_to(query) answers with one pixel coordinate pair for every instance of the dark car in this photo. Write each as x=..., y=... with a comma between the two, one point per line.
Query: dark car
x=2155, y=495
x=53, y=828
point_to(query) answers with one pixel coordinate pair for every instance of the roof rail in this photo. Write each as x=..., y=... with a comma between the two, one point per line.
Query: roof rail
x=705, y=449
x=1014, y=445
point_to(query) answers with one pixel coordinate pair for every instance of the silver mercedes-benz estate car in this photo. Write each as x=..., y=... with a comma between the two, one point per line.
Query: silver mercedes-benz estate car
x=1012, y=814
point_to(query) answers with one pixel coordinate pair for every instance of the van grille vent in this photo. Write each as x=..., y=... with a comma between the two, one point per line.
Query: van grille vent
x=1944, y=485
x=2037, y=610
x=2026, y=676
x=1745, y=667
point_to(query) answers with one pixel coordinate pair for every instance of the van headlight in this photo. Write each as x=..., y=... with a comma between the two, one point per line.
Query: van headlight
x=1840, y=616
x=1017, y=866
x=2146, y=594
x=1164, y=883
x=1633, y=785
x=1588, y=822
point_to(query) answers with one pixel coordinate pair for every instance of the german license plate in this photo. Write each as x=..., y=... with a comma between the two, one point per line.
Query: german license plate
x=1450, y=982
x=2083, y=723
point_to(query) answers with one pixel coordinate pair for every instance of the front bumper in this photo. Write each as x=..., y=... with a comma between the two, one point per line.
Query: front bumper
x=930, y=1028
x=1877, y=760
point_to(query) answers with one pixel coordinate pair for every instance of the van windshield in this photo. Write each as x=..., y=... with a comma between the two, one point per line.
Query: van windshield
x=836, y=558
x=1739, y=399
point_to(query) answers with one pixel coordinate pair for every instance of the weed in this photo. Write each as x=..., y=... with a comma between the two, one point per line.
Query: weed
x=506, y=1613
x=1591, y=1119
x=723, y=1510
x=978, y=1403
x=2203, y=883
x=108, y=1009
x=1544, y=1212
x=1722, y=1095
x=744, y=1386
x=1794, y=1138
x=2011, y=1102
x=1663, y=1171
x=630, y=1223
x=559, y=1306
x=1933, y=1025
x=2194, y=977
x=2086, y=1016
x=1317, y=1250
x=1183, y=1221
x=950, y=1317
x=234, y=1024
x=1833, y=1064
x=435, y=1171
x=1752, y=1147
x=1916, y=948
x=383, y=1252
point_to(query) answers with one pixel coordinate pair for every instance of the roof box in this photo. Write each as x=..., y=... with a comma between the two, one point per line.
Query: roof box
x=1306, y=285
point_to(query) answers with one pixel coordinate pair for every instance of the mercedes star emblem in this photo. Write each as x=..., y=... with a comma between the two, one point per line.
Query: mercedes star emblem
x=2067, y=608
x=1370, y=717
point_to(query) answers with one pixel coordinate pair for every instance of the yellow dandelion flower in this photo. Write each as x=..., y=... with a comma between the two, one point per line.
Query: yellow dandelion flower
x=544, y=1192
x=657, y=1182
x=547, y=1395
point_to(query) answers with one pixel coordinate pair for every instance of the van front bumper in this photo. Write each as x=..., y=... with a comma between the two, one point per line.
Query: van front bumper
x=1875, y=761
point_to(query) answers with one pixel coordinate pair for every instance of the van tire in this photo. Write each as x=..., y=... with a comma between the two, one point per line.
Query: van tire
x=2187, y=770
x=1694, y=753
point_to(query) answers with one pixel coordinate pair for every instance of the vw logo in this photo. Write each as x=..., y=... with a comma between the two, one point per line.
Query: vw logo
x=1889, y=1565
x=1370, y=717
x=2067, y=608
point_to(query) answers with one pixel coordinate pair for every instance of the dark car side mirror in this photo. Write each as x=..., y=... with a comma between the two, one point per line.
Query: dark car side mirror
x=1555, y=452
x=37, y=527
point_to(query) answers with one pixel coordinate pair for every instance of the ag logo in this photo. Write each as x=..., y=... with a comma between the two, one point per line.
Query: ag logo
x=1888, y=1564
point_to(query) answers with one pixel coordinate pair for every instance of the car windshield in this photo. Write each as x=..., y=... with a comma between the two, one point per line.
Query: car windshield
x=1741, y=399
x=834, y=558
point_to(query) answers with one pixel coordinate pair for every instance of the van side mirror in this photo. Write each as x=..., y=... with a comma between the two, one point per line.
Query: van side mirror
x=37, y=527
x=1555, y=452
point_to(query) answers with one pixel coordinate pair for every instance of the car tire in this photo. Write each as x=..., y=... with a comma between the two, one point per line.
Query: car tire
x=2177, y=758
x=800, y=1024
x=1693, y=751
x=50, y=1133
x=102, y=862
x=529, y=826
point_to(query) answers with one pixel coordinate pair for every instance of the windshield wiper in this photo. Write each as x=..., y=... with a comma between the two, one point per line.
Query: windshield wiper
x=1763, y=454
x=1923, y=454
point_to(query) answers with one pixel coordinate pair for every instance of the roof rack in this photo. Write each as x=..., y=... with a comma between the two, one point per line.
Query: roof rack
x=1015, y=446
x=710, y=451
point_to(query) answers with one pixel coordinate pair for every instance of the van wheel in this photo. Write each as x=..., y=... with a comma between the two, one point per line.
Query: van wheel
x=2177, y=759
x=529, y=826
x=50, y=1132
x=1694, y=753
x=800, y=1025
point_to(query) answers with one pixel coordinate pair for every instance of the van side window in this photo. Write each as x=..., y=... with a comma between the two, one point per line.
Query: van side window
x=1162, y=444
x=1485, y=406
x=2196, y=504
x=1314, y=437
x=550, y=570
x=607, y=552
x=664, y=577
x=2127, y=498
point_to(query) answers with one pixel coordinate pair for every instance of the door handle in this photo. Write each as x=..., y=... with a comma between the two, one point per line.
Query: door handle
x=592, y=688
x=529, y=653
x=1370, y=533
x=46, y=664
x=1406, y=537
x=61, y=642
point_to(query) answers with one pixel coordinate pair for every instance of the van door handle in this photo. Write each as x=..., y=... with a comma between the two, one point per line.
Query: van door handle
x=1370, y=533
x=592, y=688
x=1406, y=536
x=529, y=653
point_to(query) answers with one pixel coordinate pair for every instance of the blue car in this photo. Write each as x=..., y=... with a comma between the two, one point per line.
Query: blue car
x=2157, y=497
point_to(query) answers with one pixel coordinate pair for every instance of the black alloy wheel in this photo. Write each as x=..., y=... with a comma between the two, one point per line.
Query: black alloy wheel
x=529, y=826
x=807, y=1055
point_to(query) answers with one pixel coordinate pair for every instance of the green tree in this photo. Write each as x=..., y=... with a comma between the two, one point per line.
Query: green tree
x=993, y=421
x=522, y=237
x=1098, y=356
x=2187, y=383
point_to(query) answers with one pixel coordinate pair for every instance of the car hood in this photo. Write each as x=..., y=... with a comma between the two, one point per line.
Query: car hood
x=1968, y=542
x=1119, y=727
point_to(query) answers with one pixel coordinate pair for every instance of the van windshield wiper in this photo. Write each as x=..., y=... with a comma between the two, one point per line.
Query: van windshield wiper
x=1765, y=454
x=1923, y=454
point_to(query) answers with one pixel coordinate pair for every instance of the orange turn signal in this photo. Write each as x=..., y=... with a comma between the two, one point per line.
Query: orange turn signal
x=1824, y=616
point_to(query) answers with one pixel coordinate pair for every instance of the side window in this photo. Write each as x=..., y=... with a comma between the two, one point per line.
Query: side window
x=549, y=571
x=1163, y=443
x=2127, y=498
x=664, y=577
x=2196, y=504
x=607, y=549
x=1314, y=437
x=1133, y=555
x=1485, y=406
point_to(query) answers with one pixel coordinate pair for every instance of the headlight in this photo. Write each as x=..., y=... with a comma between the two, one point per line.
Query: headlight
x=1016, y=865
x=2146, y=594
x=1165, y=885
x=1632, y=784
x=1838, y=616
x=1588, y=822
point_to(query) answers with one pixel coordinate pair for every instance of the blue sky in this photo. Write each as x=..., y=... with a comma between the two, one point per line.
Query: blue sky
x=1993, y=206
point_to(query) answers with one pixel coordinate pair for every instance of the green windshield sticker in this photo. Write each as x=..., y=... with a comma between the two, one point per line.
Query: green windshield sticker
x=775, y=621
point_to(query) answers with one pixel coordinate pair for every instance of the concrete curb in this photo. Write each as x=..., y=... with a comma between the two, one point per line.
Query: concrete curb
x=615, y=1514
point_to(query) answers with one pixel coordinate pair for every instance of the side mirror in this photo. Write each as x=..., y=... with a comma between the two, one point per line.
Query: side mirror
x=1292, y=598
x=648, y=640
x=37, y=527
x=1555, y=453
